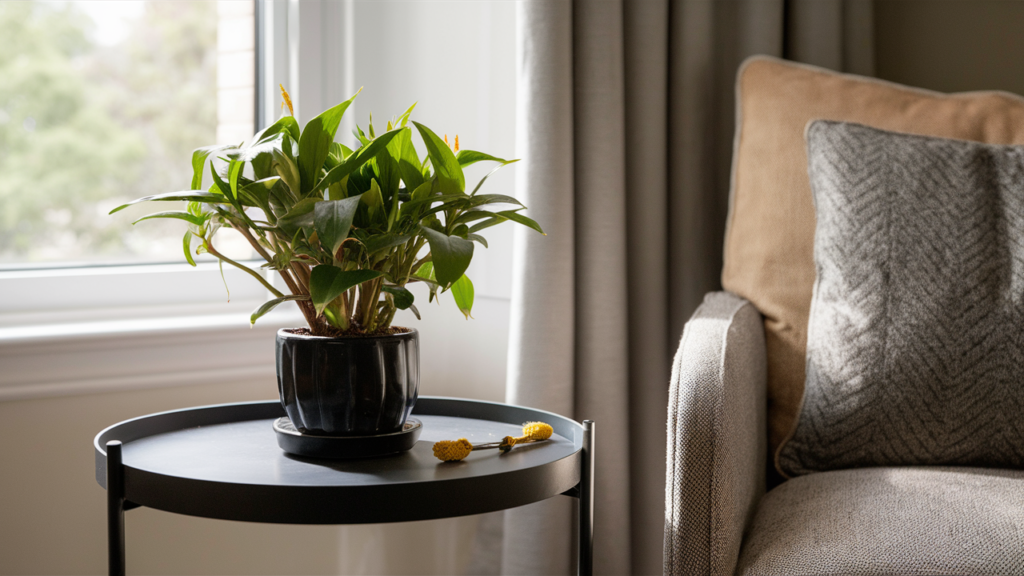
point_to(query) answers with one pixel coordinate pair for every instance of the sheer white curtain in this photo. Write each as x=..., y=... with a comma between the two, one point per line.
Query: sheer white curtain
x=625, y=127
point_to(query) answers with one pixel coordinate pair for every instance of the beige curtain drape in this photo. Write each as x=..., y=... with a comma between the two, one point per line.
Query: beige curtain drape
x=625, y=130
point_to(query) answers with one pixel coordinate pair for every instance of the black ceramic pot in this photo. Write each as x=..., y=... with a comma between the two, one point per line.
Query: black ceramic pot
x=349, y=386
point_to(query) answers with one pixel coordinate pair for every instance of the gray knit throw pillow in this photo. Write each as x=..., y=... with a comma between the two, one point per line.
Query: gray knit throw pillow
x=915, y=346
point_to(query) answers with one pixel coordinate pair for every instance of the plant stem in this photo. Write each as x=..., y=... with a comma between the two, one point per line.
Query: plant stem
x=301, y=275
x=306, y=307
x=255, y=245
x=417, y=263
x=209, y=248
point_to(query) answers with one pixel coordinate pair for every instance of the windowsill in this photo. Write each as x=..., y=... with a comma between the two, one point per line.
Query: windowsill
x=118, y=330
x=160, y=325
x=131, y=350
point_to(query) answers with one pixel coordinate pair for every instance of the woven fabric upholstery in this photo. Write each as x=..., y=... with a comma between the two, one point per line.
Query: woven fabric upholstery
x=890, y=521
x=716, y=436
x=916, y=334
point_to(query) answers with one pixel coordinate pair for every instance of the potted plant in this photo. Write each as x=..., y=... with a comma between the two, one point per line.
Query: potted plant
x=346, y=229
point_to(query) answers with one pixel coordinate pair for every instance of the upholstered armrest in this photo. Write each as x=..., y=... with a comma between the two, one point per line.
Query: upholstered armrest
x=716, y=436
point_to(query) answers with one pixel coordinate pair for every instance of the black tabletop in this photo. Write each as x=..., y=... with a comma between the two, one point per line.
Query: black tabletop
x=224, y=462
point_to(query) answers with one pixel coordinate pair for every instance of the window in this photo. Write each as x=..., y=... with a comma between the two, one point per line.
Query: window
x=77, y=271
x=103, y=102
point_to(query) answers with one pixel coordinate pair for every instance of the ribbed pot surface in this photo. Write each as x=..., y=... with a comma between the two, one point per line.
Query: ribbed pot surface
x=349, y=386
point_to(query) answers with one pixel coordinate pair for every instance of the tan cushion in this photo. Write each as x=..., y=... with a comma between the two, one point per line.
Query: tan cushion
x=890, y=521
x=770, y=232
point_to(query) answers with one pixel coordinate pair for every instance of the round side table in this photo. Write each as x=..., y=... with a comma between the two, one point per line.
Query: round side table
x=224, y=462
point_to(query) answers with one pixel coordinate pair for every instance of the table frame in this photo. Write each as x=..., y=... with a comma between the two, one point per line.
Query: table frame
x=117, y=504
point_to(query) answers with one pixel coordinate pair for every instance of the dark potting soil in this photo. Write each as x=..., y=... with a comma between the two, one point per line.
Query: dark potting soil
x=351, y=332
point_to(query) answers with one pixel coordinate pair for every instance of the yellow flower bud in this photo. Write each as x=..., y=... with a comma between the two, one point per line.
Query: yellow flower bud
x=456, y=143
x=452, y=450
x=287, y=100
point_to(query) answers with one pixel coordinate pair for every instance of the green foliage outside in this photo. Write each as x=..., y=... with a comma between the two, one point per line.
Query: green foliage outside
x=84, y=127
x=345, y=228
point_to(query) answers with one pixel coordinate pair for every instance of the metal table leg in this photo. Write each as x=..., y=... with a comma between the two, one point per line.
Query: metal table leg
x=115, y=509
x=586, y=503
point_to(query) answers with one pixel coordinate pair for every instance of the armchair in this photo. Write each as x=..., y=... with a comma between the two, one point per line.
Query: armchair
x=738, y=377
x=900, y=520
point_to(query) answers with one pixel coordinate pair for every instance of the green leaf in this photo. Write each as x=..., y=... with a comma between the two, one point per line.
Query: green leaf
x=265, y=183
x=450, y=254
x=315, y=142
x=403, y=298
x=197, y=195
x=341, y=150
x=488, y=175
x=333, y=220
x=462, y=290
x=199, y=156
x=415, y=203
x=479, y=239
x=416, y=311
x=404, y=118
x=284, y=125
x=404, y=153
x=388, y=176
x=337, y=154
x=505, y=215
x=187, y=245
x=492, y=221
x=516, y=217
x=425, y=271
x=187, y=217
x=472, y=215
x=260, y=192
x=338, y=190
x=420, y=192
x=358, y=133
x=234, y=172
x=357, y=159
x=300, y=216
x=373, y=199
x=327, y=282
x=470, y=157
x=286, y=169
x=264, y=146
x=446, y=167
x=495, y=199
x=270, y=305
x=230, y=190
x=379, y=242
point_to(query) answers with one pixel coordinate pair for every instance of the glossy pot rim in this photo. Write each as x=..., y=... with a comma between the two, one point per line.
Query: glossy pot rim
x=285, y=334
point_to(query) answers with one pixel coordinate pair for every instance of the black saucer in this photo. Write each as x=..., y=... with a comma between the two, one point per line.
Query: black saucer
x=294, y=442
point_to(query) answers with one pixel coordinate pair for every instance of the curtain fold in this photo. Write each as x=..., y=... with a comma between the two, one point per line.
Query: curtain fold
x=625, y=128
x=646, y=31
x=542, y=331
